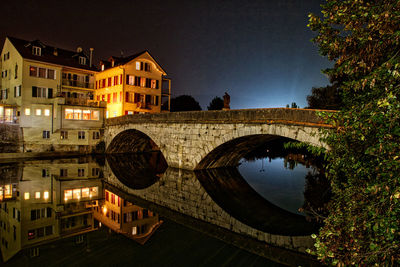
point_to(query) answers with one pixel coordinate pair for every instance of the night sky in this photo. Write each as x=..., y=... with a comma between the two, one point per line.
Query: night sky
x=258, y=51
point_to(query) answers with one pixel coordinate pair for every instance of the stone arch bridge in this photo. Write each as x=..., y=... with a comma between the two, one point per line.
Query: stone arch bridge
x=210, y=139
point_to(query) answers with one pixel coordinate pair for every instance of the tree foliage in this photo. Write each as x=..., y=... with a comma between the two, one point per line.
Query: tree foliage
x=363, y=38
x=216, y=104
x=184, y=103
x=324, y=98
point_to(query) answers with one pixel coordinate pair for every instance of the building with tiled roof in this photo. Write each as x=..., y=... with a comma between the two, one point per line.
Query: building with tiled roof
x=134, y=84
x=49, y=92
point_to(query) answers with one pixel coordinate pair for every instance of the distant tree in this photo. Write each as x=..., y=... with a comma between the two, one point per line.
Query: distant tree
x=216, y=104
x=324, y=98
x=184, y=103
x=293, y=105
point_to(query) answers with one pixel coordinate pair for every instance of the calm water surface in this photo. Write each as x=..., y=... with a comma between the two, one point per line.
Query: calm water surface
x=113, y=211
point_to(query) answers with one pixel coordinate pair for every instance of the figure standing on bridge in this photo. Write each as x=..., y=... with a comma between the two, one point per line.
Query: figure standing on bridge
x=227, y=100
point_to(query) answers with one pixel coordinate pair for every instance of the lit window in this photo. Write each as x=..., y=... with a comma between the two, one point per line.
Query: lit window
x=85, y=192
x=67, y=195
x=46, y=195
x=26, y=195
x=102, y=67
x=27, y=111
x=86, y=114
x=37, y=195
x=95, y=115
x=47, y=112
x=69, y=113
x=107, y=114
x=137, y=65
x=134, y=230
x=94, y=191
x=77, y=114
x=76, y=194
x=154, y=84
x=142, y=82
x=38, y=112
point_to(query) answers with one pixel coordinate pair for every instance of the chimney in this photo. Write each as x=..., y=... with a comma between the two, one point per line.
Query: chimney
x=91, y=57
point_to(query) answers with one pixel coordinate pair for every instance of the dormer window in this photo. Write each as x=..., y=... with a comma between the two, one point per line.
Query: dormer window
x=37, y=51
x=82, y=60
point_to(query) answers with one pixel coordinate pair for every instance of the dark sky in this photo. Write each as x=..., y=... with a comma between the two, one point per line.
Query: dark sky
x=258, y=51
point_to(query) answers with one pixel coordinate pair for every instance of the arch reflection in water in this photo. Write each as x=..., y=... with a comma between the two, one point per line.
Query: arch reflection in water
x=137, y=170
x=231, y=192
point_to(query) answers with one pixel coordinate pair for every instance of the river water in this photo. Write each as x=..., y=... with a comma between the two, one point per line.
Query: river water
x=120, y=209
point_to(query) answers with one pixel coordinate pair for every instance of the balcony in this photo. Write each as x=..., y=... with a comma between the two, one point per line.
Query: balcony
x=75, y=83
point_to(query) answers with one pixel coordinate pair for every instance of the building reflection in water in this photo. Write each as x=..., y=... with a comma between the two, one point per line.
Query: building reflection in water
x=42, y=201
x=125, y=218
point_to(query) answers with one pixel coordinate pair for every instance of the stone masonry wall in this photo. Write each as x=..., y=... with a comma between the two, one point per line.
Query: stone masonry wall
x=186, y=138
x=184, y=145
x=10, y=138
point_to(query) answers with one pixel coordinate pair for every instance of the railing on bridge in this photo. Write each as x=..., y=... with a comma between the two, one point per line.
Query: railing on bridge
x=291, y=116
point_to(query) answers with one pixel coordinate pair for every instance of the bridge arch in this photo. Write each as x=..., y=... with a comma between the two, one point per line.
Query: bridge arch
x=131, y=141
x=228, y=150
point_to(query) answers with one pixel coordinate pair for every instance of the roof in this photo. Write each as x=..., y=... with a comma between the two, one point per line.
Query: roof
x=51, y=54
x=124, y=60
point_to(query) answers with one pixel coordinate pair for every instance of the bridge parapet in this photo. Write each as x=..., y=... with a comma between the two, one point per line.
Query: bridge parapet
x=290, y=116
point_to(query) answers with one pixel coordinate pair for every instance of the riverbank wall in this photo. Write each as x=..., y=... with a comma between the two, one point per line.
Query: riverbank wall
x=11, y=138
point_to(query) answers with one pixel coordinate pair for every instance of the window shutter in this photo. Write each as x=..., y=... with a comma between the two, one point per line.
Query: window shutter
x=50, y=93
x=156, y=84
x=126, y=96
x=156, y=100
x=148, y=99
x=34, y=91
x=127, y=79
x=141, y=65
x=137, y=98
x=15, y=91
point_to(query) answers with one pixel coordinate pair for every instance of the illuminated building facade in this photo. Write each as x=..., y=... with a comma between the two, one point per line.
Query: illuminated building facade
x=59, y=99
x=133, y=85
x=49, y=92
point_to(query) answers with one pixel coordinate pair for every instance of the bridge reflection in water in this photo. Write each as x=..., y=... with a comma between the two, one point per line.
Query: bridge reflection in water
x=218, y=197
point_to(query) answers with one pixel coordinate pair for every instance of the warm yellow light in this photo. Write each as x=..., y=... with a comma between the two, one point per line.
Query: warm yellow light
x=26, y=195
x=104, y=210
x=46, y=195
x=37, y=195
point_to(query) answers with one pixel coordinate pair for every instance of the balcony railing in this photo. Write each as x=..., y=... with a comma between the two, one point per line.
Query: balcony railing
x=76, y=83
